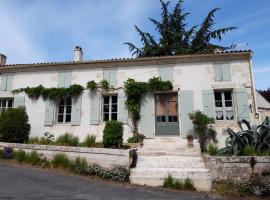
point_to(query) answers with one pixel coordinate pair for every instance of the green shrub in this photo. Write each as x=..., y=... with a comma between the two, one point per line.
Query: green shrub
x=113, y=134
x=19, y=156
x=212, y=149
x=90, y=141
x=32, y=158
x=33, y=140
x=168, y=182
x=67, y=140
x=79, y=166
x=188, y=185
x=136, y=138
x=248, y=151
x=14, y=126
x=60, y=160
x=1, y=154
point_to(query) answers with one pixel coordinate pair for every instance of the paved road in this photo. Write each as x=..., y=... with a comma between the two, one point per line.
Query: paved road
x=18, y=182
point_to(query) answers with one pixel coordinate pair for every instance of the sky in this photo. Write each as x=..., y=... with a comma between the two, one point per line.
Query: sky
x=48, y=30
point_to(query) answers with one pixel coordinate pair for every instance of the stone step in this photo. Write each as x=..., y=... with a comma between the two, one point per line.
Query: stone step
x=167, y=153
x=199, y=184
x=170, y=164
x=171, y=158
x=171, y=141
x=169, y=149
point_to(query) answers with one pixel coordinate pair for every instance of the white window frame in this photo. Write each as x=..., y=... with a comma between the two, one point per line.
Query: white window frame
x=6, y=107
x=65, y=110
x=224, y=105
x=110, y=106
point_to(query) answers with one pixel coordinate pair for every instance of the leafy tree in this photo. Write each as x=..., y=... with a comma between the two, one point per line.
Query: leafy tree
x=265, y=94
x=175, y=37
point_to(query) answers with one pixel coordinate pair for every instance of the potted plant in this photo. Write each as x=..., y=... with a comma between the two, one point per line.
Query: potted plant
x=190, y=140
x=141, y=138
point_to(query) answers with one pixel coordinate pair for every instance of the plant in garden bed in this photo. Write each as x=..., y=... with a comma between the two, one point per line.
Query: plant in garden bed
x=136, y=138
x=212, y=149
x=67, y=140
x=19, y=156
x=60, y=160
x=89, y=141
x=78, y=166
x=113, y=134
x=203, y=128
x=1, y=154
x=170, y=182
x=32, y=158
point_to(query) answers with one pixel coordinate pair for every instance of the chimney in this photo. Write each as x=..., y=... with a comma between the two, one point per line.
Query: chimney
x=3, y=60
x=78, y=54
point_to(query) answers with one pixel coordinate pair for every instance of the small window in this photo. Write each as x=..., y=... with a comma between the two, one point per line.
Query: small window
x=64, y=108
x=5, y=104
x=224, y=105
x=110, y=108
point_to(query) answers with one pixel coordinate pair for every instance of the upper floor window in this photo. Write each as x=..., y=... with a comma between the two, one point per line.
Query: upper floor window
x=224, y=105
x=222, y=72
x=64, y=106
x=110, y=108
x=5, y=104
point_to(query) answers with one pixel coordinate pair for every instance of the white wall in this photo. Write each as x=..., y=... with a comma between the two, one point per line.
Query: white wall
x=189, y=76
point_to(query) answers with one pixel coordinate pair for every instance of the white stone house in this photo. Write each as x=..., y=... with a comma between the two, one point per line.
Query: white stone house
x=220, y=85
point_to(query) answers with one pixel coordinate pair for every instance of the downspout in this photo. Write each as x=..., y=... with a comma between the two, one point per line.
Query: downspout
x=253, y=90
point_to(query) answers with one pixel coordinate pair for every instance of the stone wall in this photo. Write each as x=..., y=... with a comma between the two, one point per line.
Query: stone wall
x=237, y=168
x=104, y=157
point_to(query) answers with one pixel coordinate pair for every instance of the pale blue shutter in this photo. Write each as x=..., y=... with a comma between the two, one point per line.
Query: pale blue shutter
x=208, y=103
x=4, y=82
x=94, y=107
x=242, y=105
x=218, y=72
x=147, y=121
x=166, y=73
x=9, y=82
x=49, y=112
x=19, y=102
x=61, y=79
x=122, y=112
x=68, y=76
x=110, y=75
x=186, y=107
x=226, y=72
x=76, y=111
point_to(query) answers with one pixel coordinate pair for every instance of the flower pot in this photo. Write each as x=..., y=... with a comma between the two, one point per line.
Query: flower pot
x=133, y=145
x=190, y=143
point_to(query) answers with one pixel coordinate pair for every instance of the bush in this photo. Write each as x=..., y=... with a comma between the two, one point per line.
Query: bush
x=90, y=141
x=212, y=149
x=60, y=160
x=79, y=166
x=203, y=128
x=14, y=126
x=188, y=185
x=20, y=156
x=33, y=140
x=136, y=138
x=169, y=182
x=1, y=154
x=32, y=158
x=248, y=151
x=113, y=134
x=67, y=140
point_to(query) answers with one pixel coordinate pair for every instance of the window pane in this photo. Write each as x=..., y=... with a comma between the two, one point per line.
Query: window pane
x=217, y=95
x=69, y=101
x=228, y=95
x=3, y=103
x=106, y=108
x=60, y=118
x=219, y=115
x=106, y=117
x=68, y=111
x=68, y=118
x=114, y=108
x=106, y=100
x=229, y=114
x=114, y=116
x=114, y=99
x=228, y=103
x=61, y=110
x=218, y=103
x=160, y=105
x=10, y=102
x=172, y=118
x=62, y=101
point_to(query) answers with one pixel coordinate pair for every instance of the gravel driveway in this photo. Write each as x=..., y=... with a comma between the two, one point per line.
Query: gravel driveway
x=20, y=182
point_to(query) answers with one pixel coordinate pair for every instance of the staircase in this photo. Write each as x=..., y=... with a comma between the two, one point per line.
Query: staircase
x=171, y=155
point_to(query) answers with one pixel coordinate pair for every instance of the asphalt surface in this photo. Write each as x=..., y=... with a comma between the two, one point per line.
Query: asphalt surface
x=20, y=182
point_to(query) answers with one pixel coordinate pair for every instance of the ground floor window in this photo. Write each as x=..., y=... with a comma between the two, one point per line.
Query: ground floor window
x=64, y=107
x=224, y=105
x=5, y=104
x=109, y=107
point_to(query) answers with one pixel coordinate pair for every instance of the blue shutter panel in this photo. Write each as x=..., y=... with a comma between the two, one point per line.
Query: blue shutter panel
x=242, y=106
x=147, y=121
x=226, y=72
x=186, y=107
x=218, y=72
x=166, y=73
x=76, y=111
x=68, y=76
x=94, y=107
x=208, y=103
x=19, y=102
x=49, y=112
x=4, y=82
x=61, y=79
x=113, y=78
x=9, y=82
x=122, y=111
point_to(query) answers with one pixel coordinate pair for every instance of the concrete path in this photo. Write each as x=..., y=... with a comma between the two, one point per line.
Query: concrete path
x=20, y=182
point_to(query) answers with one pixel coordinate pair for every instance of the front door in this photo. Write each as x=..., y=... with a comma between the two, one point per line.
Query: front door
x=166, y=114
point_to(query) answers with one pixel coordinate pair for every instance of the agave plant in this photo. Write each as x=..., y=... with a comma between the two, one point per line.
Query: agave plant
x=257, y=137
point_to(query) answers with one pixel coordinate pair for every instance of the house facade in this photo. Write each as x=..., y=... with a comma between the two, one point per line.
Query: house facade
x=220, y=85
